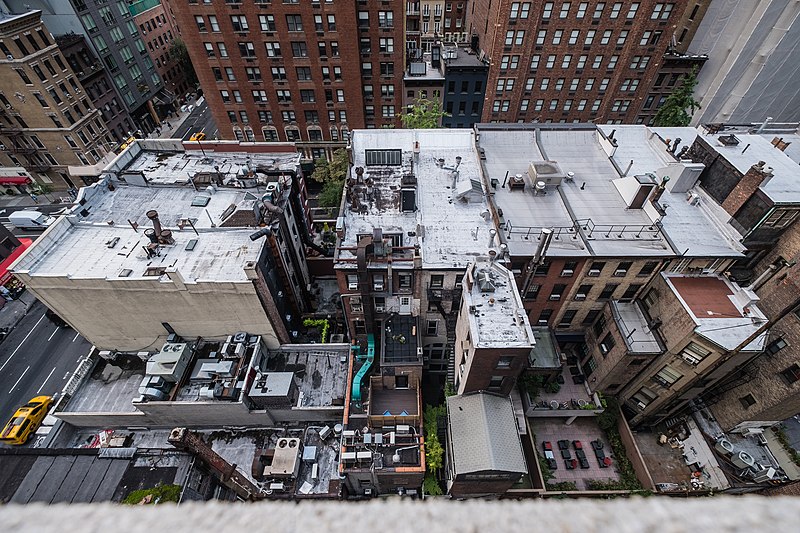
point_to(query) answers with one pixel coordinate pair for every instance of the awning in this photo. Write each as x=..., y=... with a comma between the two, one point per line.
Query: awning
x=5, y=275
x=14, y=180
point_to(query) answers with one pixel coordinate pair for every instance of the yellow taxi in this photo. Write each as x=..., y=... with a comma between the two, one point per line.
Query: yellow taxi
x=199, y=136
x=26, y=421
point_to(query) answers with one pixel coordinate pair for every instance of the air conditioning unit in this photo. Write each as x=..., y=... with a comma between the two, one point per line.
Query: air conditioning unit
x=689, y=359
x=352, y=286
x=594, y=273
x=403, y=429
x=380, y=309
x=555, y=297
x=603, y=348
x=542, y=322
x=620, y=272
x=378, y=285
x=580, y=297
x=641, y=405
x=567, y=273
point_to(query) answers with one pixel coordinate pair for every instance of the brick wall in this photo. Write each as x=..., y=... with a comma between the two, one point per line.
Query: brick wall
x=745, y=188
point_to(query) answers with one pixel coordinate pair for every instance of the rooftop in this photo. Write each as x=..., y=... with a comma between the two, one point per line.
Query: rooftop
x=635, y=329
x=484, y=434
x=545, y=353
x=399, y=340
x=97, y=239
x=590, y=205
x=320, y=371
x=725, y=313
x=446, y=214
x=496, y=313
x=784, y=186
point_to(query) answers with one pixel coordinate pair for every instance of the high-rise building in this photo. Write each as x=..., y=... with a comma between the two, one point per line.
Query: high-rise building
x=570, y=61
x=297, y=71
x=116, y=40
x=159, y=29
x=47, y=121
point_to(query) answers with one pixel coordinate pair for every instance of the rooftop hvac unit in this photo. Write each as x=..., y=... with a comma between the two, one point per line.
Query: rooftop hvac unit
x=403, y=429
x=325, y=432
x=743, y=460
x=348, y=456
x=277, y=487
x=106, y=354
x=724, y=446
x=764, y=475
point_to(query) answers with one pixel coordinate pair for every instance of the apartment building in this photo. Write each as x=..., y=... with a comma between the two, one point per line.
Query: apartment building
x=47, y=121
x=297, y=71
x=570, y=61
x=432, y=21
x=99, y=86
x=111, y=31
x=173, y=239
x=592, y=214
x=452, y=76
x=159, y=29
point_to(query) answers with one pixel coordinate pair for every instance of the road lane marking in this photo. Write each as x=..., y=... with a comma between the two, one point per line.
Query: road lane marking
x=45, y=380
x=21, y=343
x=75, y=337
x=20, y=379
x=53, y=334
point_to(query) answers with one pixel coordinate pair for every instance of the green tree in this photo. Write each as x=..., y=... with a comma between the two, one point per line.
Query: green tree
x=424, y=114
x=680, y=105
x=332, y=175
x=178, y=50
x=43, y=189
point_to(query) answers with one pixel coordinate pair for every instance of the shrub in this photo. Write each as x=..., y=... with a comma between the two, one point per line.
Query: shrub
x=431, y=486
x=160, y=494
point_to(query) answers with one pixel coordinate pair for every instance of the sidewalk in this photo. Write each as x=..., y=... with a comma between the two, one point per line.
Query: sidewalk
x=175, y=122
x=15, y=310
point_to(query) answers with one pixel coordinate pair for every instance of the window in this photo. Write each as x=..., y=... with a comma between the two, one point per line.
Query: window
x=608, y=291
x=632, y=10
x=644, y=397
x=557, y=35
x=557, y=291
x=437, y=281
x=387, y=68
x=607, y=344
x=582, y=7
x=565, y=61
x=622, y=268
x=540, y=37
x=598, y=10
x=529, y=84
x=568, y=317
x=792, y=374
x=223, y=51
x=623, y=35
x=386, y=45
x=299, y=49
x=431, y=328
x=551, y=62
x=662, y=11
x=630, y=292
x=667, y=376
x=307, y=96
x=360, y=327
x=294, y=22
x=404, y=280
x=543, y=268
x=260, y=96
x=544, y=317
x=239, y=23
x=583, y=292
x=573, y=36
x=278, y=73
x=775, y=346
x=385, y=19
x=303, y=73
x=284, y=95
x=606, y=37
x=694, y=353
x=505, y=362
x=383, y=157
x=780, y=218
x=201, y=23
x=582, y=61
x=496, y=383
x=266, y=22
x=547, y=10
x=564, y=13
x=533, y=291
x=615, y=9
x=590, y=317
x=589, y=39
x=535, y=61
x=747, y=401
x=597, y=267
x=387, y=111
x=253, y=73
x=331, y=22
x=648, y=268
x=640, y=62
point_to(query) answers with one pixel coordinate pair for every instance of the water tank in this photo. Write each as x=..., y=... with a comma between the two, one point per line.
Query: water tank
x=724, y=446
x=743, y=460
x=337, y=428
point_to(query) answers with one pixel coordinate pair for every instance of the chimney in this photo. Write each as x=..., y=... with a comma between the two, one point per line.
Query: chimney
x=656, y=196
x=748, y=185
x=153, y=216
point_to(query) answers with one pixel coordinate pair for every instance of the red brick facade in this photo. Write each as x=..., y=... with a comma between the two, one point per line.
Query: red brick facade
x=159, y=29
x=571, y=61
x=320, y=63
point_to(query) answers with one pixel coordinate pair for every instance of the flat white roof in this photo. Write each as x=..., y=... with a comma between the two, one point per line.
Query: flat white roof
x=497, y=317
x=450, y=231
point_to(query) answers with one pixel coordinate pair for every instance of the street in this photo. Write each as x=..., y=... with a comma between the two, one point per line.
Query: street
x=31, y=234
x=198, y=120
x=37, y=357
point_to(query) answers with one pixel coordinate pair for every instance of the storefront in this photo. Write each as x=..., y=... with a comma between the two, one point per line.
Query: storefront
x=15, y=184
x=10, y=286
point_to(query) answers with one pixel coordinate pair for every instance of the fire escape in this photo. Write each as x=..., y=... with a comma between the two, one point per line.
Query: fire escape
x=17, y=143
x=438, y=296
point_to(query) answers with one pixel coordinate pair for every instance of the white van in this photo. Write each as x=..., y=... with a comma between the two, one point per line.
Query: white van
x=30, y=220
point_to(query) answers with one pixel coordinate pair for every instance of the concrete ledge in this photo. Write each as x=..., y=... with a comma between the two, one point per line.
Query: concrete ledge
x=729, y=514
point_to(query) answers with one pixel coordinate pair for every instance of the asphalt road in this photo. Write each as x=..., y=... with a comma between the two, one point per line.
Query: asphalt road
x=37, y=357
x=31, y=234
x=198, y=120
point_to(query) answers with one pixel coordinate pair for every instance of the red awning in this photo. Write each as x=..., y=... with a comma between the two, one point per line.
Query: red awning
x=14, y=180
x=5, y=275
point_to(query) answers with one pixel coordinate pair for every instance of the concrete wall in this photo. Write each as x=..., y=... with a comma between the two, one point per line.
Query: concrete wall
x=127, y=314
x=633, y=454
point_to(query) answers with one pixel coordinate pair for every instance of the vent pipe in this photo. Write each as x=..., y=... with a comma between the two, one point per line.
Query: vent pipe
x=153, y=216
x=763, y=126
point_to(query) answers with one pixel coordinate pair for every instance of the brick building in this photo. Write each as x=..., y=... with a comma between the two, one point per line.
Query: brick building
x=159, y=29
x=570, y=61
x=297, y=71
x=47, y=121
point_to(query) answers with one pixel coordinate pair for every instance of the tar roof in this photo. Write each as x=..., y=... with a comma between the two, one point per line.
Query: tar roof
x=450, y=231
x=496, y=314
x=784, y=186
x=484, y=434
x=589, y=200
x=724, y=313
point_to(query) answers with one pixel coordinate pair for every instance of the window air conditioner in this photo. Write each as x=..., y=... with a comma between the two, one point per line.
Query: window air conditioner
x=378, y=285
x=594, y=273
x=380, y=309
x=620, y=272
x=580, y=297
x=352, y=286
x=689, y=359
x=566, y=273
x=554, y=297
x=641, y=405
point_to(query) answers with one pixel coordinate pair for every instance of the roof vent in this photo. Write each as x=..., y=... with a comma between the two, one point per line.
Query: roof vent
x=728, y=140
x=485, y=281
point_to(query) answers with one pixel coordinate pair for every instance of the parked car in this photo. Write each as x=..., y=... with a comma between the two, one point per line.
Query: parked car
x=199, y=136
x=30, y=219
x=26, y=421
